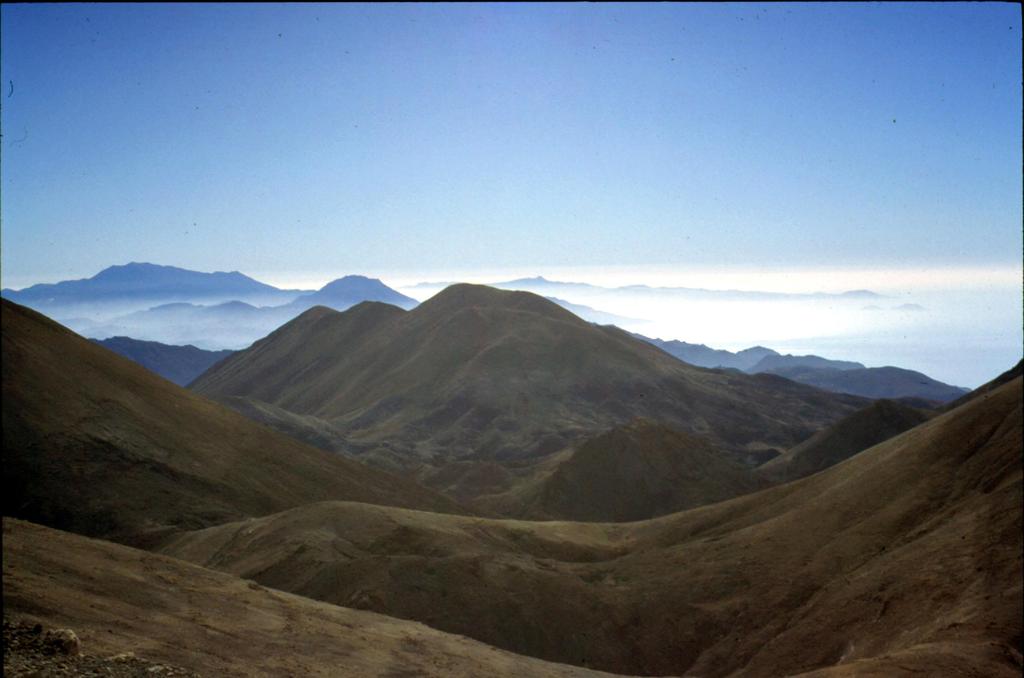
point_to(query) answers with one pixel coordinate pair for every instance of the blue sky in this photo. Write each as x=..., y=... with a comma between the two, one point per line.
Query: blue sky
x=367, y=138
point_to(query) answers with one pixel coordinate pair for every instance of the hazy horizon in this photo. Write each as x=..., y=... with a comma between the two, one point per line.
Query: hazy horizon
x=395, y=477
x=961, y=334
x=782, y=279
x=762, y=147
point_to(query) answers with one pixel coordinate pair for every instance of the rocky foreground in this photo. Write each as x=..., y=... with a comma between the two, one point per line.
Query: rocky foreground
x=31, y=650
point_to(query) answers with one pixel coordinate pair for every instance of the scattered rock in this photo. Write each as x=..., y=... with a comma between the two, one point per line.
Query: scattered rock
x=31, y=651
x=63, y=641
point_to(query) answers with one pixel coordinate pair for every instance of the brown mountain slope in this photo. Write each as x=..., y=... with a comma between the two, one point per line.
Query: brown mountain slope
x=96, y=444
x=481, y=373
x=908, y=554
x=632, y=472
x=877, y=422
x=119, y=599
x=1006, y=377
x=871, y=382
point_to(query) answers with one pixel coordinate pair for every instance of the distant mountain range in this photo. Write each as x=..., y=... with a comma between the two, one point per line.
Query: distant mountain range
x=539, y=284
x=872, y=382
x=218, y=311
x=704, y=356
x=839, y=376
x=543, y=286
x=179, y=364
x=778, y=363
x=177, y=306
x=236, y=324
x=141, y=285
x=348, y=291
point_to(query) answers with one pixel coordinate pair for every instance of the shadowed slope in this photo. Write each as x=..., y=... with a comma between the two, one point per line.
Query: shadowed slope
x=296, y=353
x=632, y=472
x=877, y=422
x=94, y=443
x=118, y=599
x=490, y=374
x=180, y=364
x=908, y=554
x=872, y=382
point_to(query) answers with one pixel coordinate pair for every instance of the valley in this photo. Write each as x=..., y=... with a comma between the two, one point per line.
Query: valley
x=525, y=340
x=648, y=548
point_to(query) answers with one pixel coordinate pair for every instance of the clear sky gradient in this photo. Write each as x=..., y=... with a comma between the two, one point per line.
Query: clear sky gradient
x=368, y=138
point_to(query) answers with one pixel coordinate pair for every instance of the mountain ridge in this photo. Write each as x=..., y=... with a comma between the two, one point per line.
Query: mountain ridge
x=485, y=373
x=97, y=444
x=120, y=601
x=177, y=306
x=837, y=376
x=637, y=471
x=350, y=290
x=232, y=324
x=543, y=286
x=873, y=382
x=141, y=279
x=906, y=554
x=862, y=565
x=876, y=423
x=179, y=364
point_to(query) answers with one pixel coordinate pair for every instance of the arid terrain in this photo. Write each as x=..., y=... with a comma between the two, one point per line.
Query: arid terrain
x=264, y=556
x=96, y=444
x=525, y=340
x=876, y=423
x=478, y=374
x=631, y=472
x=869, y=558
x=121, y=600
